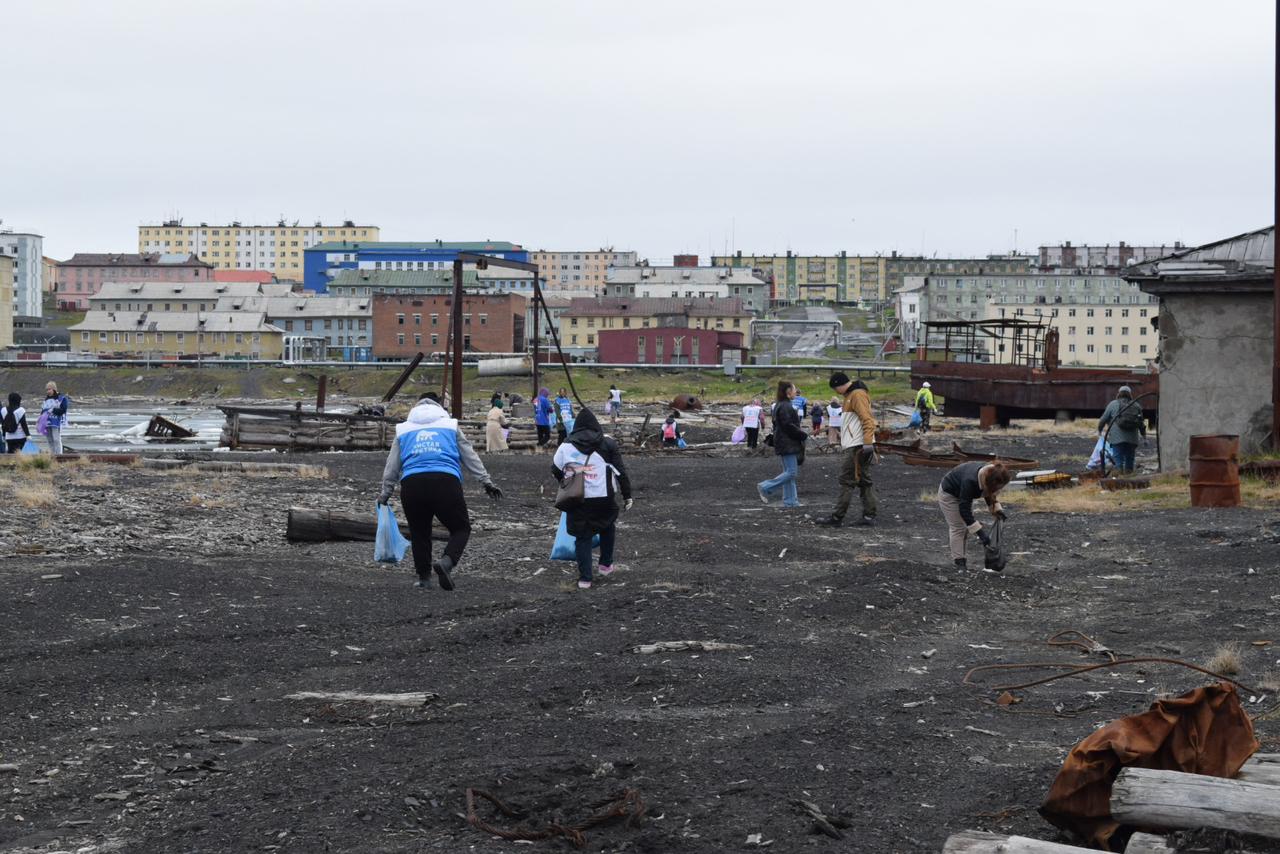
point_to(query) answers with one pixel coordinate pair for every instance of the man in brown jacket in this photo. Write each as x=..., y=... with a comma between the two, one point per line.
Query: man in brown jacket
x=858, y=444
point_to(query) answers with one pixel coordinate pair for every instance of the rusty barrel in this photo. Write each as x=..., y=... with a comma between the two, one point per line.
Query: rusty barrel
x=1215, y=471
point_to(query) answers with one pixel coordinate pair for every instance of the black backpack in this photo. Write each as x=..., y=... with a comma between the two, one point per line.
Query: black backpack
x=1130, y=417
x=10, y=424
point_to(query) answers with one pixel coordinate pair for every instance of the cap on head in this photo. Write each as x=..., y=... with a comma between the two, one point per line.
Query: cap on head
x=925, y=385
x=431, y=396
x=838, y=379
x=51, y=386
x=1125, y=391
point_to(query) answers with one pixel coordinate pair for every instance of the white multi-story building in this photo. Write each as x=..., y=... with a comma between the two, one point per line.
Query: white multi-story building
x=278, y=248
x=1065, y=257
x=579, y=270
x=28, y=287
x=689, y=283
x=1101, y=319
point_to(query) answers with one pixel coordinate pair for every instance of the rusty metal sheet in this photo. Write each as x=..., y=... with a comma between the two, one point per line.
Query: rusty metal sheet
x=1022, y=391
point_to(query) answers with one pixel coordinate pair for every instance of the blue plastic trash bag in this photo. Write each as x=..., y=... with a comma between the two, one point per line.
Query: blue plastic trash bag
x=30, y=447
x=916, y=420
x=681, y=443
x=565, y=546
x=389, y=545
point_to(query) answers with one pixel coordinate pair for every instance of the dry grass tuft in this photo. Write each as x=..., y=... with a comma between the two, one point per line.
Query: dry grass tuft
x=202, y=501
x=1271, y=682
x=1047, y=427
x=89, y=478
x=36, y=494
x=1227, y=659
x=304, y=472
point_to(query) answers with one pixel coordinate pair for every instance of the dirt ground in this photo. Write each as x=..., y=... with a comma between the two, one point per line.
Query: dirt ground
x=151, y=626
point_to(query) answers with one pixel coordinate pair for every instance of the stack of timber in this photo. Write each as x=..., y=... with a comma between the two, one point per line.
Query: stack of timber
x=1165, y=801
x=249, y=428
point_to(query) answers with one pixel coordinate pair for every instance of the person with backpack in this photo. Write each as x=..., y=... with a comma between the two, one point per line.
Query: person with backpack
x=788, y=443
x=858, y=448
x=671, y=434
x=598, y=460
x=751, y=416
x=835, y=417
x=956, y=492
x=1128, y=428
x=544, y=415
x=614, y=407
x=53, y=412
x=925, y=406
x=427, y=457
x=815, y=415
x=14, y=420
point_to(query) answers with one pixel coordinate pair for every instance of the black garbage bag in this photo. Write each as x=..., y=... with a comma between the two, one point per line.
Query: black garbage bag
x=994, y=555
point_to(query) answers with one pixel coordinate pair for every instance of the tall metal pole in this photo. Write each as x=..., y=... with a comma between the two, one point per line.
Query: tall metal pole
x=537, y=307
x=1275, y=338
x=456, y=393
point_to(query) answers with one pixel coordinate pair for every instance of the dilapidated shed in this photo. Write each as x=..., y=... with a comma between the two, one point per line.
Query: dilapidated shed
x=1217, y=341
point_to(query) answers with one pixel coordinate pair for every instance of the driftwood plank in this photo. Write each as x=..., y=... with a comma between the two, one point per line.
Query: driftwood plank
x=1261, y=768
x=411, y=698
x=1172, y=799
x=981, y=842
x=1146, y=843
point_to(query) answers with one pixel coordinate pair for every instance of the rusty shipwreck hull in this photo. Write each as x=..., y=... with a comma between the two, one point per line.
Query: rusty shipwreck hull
x=1019, y=391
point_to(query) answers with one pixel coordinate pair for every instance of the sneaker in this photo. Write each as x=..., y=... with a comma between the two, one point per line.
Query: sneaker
x=423, y=580
x=442, y=567
x=584, y=585
x=962, y=563
x=605, y=569
x=764, y=496
x=830, y=522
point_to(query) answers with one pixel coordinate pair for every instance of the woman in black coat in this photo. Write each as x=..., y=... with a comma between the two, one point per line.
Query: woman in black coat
x=598, y=457
x=788, y=442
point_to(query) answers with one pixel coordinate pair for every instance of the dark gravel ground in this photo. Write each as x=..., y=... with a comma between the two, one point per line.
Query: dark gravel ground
x=144, y=689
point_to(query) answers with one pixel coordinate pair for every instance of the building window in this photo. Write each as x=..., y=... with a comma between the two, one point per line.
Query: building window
x=400, y=338
x=417, y=320
x=400, y=319
x=417, y=338
x=484, y=320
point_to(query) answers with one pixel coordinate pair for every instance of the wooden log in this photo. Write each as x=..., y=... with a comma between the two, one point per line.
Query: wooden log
x=1261, y=768
x=242, y=466
x=1146, y=843
x=981, y=842
x=412, y=698
x=1173, y=799
x=320, y=526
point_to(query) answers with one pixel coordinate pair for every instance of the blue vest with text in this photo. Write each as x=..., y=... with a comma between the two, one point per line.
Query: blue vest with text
x=429, y=448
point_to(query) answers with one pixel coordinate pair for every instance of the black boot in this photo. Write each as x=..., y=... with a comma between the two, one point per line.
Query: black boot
x=442, y=567
x=830, y=522
x=867, y=521
x=961, y=563
x=424, y=578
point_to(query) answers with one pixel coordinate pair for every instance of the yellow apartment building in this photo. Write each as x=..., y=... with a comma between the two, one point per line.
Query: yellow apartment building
x=277, y=248
x=214, y=334
x=586, y=316
x=8, y=264
x=579, y=270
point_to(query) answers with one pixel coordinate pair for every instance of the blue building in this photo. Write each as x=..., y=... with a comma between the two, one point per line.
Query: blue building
x=322, y=262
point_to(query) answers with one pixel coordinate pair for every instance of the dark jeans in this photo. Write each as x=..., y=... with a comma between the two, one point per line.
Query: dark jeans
x=438, y=495
x=582, y=545
x=753, y=435
x=1124, y=453
x=14, y=446
x=924, y=419
x=544, y=434
x=855, y=472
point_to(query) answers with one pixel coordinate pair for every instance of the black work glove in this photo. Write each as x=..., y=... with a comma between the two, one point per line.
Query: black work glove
x=492, y=491
x=984, y=538
x=1002, y=515
x=867, y=453
x=384, y=499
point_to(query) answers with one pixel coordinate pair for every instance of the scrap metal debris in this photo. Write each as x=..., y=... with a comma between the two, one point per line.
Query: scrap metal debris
x=626, y=804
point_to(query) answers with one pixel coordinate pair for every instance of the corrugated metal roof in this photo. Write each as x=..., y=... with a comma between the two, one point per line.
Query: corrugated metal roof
x=131, y=259
x=399, y=278
x=299, y=306
x=1253, y=249
x=173, y=321
x=682, y=276
x=390, y=246
x=152, y=290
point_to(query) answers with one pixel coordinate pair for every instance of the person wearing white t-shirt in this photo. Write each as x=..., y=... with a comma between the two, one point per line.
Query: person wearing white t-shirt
x=615, y=402
x=751, y=415
x=16, y=431
x=834, y=412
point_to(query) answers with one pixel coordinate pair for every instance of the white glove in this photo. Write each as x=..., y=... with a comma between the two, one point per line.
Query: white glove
x=630, y=501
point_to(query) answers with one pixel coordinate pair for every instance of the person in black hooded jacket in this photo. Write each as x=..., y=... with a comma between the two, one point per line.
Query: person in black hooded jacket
x=788, y=442
x=599, y=458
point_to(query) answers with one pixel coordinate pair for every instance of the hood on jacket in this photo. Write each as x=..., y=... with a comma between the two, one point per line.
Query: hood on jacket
x=587, y=435
x=426, y=412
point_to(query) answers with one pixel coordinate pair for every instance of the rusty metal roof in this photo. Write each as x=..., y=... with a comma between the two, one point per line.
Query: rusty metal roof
x=1245, y=262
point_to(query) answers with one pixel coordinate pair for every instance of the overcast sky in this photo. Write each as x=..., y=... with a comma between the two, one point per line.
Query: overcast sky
x=663, y=126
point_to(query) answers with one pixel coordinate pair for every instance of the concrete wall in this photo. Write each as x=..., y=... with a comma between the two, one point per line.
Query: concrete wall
x=1215, y=371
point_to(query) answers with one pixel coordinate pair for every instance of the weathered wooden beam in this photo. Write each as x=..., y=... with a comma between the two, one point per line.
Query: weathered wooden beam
x=981, y=842
x=243, y=466
x=1146, y=843
x=1172, y=799
x=320, y=526
x=1261, y=768
x=412, y=698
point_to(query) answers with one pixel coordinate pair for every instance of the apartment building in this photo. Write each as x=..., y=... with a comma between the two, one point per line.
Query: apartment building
x=341, y=326
x=1067, y=258
x=845, y=278
x=27, y=250
x=177, y=334
x=7, y=265
x=277, y=248
x=1101, y=319
x=579, y=270
x=406, y=325
x=48, y=274
x=83, y=274
x=689, y=283
x=584, y=317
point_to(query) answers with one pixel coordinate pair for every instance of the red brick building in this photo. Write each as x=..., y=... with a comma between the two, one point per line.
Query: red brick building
x=666, y=345
x=405, y=325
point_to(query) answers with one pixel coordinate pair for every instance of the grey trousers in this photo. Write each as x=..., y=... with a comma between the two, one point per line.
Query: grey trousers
x=957, y=530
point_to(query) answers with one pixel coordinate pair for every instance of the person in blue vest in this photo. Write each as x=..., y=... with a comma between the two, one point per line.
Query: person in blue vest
x=801, y=404
x=544, y=416
x=427, y=458
x=564, y=409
